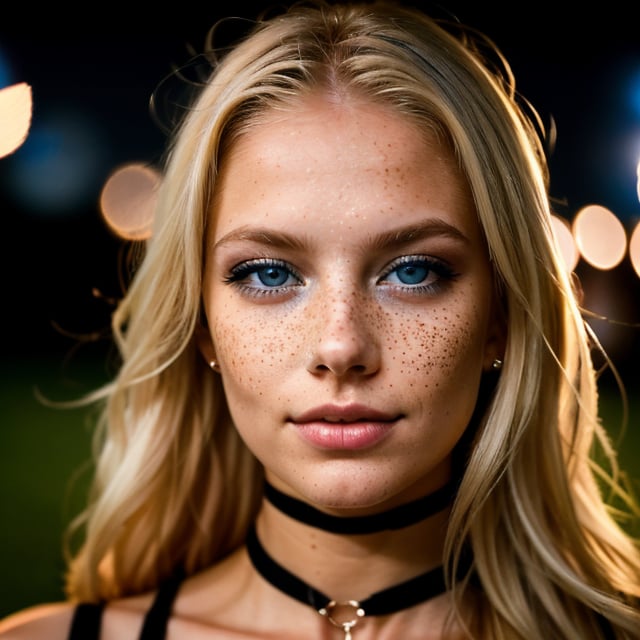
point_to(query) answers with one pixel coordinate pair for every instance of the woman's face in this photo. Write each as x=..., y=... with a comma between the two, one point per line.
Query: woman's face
x=349, y=301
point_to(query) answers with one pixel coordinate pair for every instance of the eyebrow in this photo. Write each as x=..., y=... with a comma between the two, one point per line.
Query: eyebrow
x=262, y=235
x=433, y=227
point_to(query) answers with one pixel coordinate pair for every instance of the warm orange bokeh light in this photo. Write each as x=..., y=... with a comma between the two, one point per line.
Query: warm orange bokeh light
x=128, y=201
x=634, y=248
x=565, y=241
x=15, y=117
x=600, y=236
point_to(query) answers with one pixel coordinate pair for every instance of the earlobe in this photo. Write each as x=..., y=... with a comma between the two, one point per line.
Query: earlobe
x=494, y=354
x=496, y=342
x=205, y=345
x=492, y=363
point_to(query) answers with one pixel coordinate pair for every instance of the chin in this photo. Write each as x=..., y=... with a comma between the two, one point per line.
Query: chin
x=354, y=495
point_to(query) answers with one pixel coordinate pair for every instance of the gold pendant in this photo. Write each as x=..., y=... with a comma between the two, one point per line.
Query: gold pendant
x=335, y=608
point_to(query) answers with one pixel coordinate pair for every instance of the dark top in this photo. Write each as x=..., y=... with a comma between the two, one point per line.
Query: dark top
x=87, y=617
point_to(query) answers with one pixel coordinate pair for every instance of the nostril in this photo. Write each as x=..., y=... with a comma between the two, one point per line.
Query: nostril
x=355, y=368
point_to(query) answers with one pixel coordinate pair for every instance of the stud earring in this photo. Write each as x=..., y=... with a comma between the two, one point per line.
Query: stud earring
x=213, y=364
x=496, y=365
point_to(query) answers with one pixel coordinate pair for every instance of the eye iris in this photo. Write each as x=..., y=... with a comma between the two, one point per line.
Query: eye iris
x=412, y=274
x=273, y=276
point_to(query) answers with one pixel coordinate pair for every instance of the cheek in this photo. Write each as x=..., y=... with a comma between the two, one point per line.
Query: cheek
x=441, y=342
x=255, y=346
x=437, y=362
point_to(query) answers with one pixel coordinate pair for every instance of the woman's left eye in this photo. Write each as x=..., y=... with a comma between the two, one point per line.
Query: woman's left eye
x=263, y=275
x=418, y=272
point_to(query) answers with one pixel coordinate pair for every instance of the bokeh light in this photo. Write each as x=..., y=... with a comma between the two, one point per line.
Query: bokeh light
x=634, y=92
x=565, y=242
x=15, y=116
x=634, y=248
x=128, y=199
x=600, y=236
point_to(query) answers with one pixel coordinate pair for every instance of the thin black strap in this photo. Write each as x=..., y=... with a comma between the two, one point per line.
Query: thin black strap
x=86, y=621
x=87, y=616
x=157, y=618
x=605, y=626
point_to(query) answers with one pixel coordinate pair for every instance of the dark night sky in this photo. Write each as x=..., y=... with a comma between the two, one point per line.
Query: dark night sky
x=577, y=67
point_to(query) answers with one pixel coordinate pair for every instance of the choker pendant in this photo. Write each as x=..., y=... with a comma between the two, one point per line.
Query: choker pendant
x=334, y=607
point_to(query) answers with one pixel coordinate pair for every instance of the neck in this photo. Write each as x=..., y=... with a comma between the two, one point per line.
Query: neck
x=334, y=562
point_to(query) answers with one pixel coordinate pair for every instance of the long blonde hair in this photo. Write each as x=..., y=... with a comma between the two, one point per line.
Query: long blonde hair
x=175, y=487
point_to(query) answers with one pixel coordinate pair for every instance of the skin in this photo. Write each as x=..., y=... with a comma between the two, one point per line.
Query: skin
x=320, y=192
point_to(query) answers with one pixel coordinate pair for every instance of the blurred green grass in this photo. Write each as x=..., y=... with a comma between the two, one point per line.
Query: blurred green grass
x=42, y=449
x=42, y=453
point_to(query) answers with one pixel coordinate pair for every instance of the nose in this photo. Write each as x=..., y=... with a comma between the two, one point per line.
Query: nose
x=345, y=342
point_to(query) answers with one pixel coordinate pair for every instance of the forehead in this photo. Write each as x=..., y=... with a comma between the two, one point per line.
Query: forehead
x=342, y=157
x=322, y=121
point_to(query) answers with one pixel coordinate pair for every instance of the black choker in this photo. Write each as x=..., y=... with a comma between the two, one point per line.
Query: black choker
x=395, y=518
x=384, y=602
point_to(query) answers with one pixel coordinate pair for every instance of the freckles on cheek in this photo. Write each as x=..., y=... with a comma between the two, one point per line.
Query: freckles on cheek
x=427, y=352
x=253, y=347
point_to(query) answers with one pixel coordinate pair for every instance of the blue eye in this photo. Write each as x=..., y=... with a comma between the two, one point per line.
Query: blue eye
x=418, y=273
x=263, y=275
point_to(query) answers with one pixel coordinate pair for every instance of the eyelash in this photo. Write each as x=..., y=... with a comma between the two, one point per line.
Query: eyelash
x=241, y=275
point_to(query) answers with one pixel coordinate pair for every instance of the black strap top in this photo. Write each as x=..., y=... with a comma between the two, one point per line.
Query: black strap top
x=87, y=617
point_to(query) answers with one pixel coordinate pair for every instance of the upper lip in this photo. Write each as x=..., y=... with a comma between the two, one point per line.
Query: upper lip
x=344, y=413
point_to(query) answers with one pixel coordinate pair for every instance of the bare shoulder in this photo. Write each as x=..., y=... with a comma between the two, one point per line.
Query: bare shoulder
x=122, y=620
x=50, y=621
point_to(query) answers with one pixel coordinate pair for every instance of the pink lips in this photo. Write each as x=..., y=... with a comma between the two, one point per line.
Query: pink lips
x=351, y=427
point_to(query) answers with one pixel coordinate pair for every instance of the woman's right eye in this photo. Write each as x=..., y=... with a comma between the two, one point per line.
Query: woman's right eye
x=263, y=275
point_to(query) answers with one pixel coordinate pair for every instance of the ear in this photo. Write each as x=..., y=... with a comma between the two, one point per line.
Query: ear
x=204, y=344
x=496, y=342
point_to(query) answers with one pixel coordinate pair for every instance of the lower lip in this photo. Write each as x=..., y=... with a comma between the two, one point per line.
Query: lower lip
x=344, y=436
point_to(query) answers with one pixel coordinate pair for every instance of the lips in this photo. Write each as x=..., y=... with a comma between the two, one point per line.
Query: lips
x=345, y=413
x=347, y=427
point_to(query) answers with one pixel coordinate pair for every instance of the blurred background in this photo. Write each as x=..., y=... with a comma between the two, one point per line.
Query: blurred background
x=92, y=73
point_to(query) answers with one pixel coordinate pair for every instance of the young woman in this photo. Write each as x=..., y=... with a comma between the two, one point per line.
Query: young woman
x=356, y=396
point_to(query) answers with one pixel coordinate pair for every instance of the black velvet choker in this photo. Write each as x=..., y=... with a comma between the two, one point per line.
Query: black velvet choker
x=384, y=602
x=396, y=518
